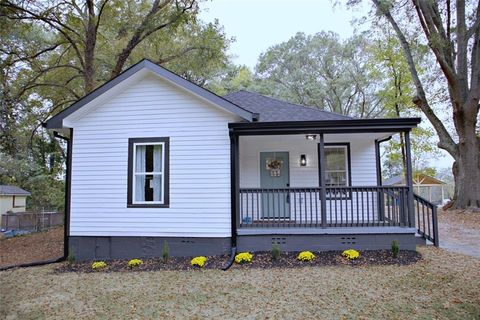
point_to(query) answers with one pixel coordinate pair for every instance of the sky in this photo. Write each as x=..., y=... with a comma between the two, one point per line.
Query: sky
x=257, y=25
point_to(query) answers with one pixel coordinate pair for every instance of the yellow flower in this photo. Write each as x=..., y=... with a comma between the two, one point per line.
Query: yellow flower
x=134, y=263
x=98, y=265
x=243, y=257
x=351, y=254
x=199, y=261
x=306, y=256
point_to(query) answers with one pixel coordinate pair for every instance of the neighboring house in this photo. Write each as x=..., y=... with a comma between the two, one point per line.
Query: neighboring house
x=425, y=186
x=152, y=158
x=12, y=199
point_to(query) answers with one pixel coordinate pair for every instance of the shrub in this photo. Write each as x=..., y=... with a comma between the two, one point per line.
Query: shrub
x=243, y=257
x=306, y=256
x=199, y=261
x=135, y=263
x=275, y=251
x=71, y=256
x=165, y=252
x=395, y=248
x=351, y=254
x=98, y=265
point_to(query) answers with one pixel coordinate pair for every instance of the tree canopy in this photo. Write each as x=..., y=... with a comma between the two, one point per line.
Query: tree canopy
x=54, y=52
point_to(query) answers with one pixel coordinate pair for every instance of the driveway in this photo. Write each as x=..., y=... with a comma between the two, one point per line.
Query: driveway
x=459, y=231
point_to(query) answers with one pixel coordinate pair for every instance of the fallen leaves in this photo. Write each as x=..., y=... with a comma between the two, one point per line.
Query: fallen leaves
x=38, y=246
x=441, y=285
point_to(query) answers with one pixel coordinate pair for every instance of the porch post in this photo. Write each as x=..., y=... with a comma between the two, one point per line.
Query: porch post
x=409, y=181
x=380, y=197
x=321, y=177
x=234, y=185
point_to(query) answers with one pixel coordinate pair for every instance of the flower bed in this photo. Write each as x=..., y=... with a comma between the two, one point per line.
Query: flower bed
x=260, y=260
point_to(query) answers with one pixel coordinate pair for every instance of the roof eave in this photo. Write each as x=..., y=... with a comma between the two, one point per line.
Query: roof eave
x=332, y=126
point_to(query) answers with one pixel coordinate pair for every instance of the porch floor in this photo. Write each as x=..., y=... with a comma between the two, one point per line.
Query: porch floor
x=316, y=231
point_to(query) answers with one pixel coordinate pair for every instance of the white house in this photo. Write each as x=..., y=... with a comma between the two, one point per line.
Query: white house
x=12, y=199
x=155, y=158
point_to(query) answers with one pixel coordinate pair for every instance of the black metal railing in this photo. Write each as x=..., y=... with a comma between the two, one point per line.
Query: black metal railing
x=302, y=207
x=426, y=219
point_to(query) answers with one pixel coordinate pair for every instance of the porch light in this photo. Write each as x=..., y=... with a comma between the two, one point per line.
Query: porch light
x=311, y=136
x=303, y=160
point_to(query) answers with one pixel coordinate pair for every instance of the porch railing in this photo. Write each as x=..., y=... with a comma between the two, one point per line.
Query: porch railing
x=426, y=219
x=344, y=207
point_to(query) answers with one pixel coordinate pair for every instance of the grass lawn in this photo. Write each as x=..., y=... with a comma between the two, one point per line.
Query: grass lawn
x=443, y=285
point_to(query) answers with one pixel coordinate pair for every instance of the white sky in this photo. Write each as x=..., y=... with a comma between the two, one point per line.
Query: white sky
x=259, y=24
x=256, y=25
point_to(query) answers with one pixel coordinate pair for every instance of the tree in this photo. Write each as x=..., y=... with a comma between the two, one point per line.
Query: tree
x=392, y=71
x=324, y=72
x=234, y=78
x=54, y=52
x=452, y=32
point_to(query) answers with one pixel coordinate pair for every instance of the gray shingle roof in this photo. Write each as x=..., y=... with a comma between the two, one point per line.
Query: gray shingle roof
x=394, y=180
x=271, y=109
x=12, y=191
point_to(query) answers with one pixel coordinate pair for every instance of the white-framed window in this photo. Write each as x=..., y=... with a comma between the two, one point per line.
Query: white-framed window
x=337, y=165
x=148, y=172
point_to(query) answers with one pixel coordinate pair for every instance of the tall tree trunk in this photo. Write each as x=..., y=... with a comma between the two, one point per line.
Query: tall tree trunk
x=467, y=170
x=90, y=42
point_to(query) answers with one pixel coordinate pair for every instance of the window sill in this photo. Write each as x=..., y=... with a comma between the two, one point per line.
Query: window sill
x=145, y=205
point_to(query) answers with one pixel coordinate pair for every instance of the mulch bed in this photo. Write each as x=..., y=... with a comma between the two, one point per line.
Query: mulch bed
x=154, y=264
x=331, y=258
x=260, y=260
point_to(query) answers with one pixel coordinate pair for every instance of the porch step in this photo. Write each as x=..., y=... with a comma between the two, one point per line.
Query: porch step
x=421, y=241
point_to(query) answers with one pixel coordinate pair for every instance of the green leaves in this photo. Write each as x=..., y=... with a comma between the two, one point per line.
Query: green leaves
x=323, y=71
x=53, y=53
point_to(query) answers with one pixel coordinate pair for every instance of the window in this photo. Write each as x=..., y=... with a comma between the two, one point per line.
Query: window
x=337, y=166
x=148, y=172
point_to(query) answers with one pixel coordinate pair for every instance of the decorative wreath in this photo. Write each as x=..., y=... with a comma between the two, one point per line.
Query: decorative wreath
x=274, y=164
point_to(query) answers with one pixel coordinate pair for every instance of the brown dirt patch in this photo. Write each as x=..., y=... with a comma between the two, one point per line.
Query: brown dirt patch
x=33, y=247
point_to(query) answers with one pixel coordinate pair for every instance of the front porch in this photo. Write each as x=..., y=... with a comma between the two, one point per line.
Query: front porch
x=317, y=187
x=364, y=207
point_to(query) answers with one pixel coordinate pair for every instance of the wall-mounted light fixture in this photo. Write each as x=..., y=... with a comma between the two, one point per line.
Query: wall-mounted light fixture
x=311, y=136
x=303, y=160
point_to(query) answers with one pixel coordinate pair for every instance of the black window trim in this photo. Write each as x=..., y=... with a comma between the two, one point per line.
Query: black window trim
x=166, y=179
x=347, y=196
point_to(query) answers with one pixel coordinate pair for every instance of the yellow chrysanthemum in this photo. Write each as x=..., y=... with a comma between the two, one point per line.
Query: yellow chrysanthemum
x=199, y=261
x=351, y=254
x=98, y=265
x=134, y=263
x=306, y=256
x=244, y=257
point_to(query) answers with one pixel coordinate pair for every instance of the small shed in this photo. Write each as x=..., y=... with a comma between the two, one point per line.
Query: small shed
x=12, y=199
x=425, y=186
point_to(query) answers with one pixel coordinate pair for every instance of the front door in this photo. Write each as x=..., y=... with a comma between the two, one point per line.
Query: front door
x=274, y=174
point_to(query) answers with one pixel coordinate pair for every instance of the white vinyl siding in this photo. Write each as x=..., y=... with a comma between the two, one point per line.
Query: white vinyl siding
x=362, y=153
x=199, y=164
